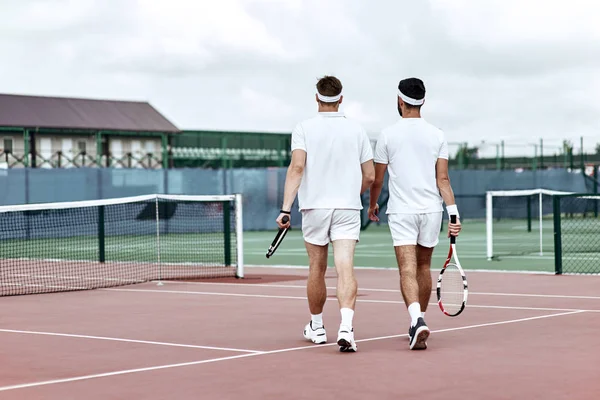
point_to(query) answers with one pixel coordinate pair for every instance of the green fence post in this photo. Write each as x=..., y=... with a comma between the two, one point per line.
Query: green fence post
x=165, y=150
x=557, y=236
x=595, y=176
x=26, y=148
x=227, y=231
x=99, y=149
x=582, y=156
x=224, y=152
x=101, y=241
x=528, y=213
x=541, y=153
x=497, y=156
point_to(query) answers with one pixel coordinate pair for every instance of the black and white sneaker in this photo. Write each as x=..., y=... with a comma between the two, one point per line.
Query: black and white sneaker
x=317, y=336
x=346, y=339
x=418, y=335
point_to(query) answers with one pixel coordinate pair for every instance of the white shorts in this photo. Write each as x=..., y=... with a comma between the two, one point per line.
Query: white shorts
x=321, y=226
x=413, y=229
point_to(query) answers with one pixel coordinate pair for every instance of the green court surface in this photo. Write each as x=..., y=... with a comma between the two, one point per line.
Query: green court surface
x=518, y=249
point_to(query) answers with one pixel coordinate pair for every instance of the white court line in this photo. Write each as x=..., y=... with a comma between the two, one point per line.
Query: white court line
x=558, y=296
x=358, y=254
x=213, y=360
x=487, y=271
x=268, y=296
x=128, y=340
x=481, y=325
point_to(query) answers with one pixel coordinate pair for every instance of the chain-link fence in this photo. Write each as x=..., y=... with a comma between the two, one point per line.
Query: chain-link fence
x=577, y=234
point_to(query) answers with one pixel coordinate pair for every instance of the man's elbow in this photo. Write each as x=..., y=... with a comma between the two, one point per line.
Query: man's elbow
x=443, y=182
x=296, y=169
x=370, y=178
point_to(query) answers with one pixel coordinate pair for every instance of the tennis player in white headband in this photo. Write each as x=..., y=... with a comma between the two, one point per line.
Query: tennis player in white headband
x=332, y=165
x=416, y=155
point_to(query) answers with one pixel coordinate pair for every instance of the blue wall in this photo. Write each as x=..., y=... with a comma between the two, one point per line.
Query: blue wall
x=262, y=188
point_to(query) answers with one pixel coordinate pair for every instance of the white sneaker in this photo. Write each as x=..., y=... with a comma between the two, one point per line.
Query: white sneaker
x=317, y=336
x=346, y=339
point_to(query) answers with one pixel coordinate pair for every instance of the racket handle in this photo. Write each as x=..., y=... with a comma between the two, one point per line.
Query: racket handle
x=452, y=237
x=285, y=219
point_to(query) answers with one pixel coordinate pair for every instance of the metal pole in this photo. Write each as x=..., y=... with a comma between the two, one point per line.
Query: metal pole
x=541, y=153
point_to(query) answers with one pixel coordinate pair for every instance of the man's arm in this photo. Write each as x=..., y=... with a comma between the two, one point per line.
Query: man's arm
x=381, y=163
x=377, y=184
x=366, y=163
x=443, y=182
x=368, y=175
x=293, y=179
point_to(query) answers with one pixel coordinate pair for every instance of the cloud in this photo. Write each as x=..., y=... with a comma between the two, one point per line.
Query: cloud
x=494, y=70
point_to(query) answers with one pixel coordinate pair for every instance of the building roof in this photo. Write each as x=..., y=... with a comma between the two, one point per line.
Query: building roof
x=71, y=113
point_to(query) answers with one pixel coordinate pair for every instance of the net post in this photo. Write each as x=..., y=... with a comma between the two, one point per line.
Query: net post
x=488, y=224
x=227, y=232
x=557, y=235
x=101, y=238
x=239, y=234
x=158, y=243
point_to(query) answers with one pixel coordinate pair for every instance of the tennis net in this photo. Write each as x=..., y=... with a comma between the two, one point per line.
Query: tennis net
x=519, y=222
x=84, y=245
x=577, y=233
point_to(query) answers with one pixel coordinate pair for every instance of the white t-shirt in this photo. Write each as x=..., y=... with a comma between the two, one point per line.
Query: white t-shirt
x=411, y=148
x=335, y=149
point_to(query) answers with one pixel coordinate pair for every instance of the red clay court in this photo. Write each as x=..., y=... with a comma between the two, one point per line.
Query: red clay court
x=522, y=336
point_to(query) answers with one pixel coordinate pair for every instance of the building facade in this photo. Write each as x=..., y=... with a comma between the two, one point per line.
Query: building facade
x=51, y=132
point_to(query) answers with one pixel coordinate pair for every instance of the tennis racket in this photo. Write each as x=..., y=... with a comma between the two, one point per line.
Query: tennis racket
x=452, y=289
x=278, y=238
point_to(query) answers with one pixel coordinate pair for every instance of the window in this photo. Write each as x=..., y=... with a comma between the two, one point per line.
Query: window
x=81, y=146
x=7, y=145
x=149, y=147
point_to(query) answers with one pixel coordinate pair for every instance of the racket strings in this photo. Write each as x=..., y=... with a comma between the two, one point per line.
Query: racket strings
x=452, y=289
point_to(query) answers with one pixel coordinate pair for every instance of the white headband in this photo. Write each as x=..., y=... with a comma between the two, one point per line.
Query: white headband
x=410, y=100
x=328, y=99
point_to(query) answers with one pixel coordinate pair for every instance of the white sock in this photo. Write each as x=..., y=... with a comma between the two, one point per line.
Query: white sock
x=347, y=316
x=423, y=314
x=415, y=313
x=317, y=320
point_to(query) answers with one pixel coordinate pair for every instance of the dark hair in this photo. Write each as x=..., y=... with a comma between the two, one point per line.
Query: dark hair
x=329, y=86
x=414, y=88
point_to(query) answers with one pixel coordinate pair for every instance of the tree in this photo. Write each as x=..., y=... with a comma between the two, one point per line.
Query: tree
x=468, y=153
x=567, y=147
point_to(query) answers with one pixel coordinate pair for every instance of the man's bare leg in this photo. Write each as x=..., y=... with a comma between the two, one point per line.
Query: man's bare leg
x=316, y=290
x=347, y=287
x=406, y=257
x=407, y=264
x=424, y=276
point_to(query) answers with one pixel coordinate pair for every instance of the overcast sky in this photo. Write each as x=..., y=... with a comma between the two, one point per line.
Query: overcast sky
x=515, y=70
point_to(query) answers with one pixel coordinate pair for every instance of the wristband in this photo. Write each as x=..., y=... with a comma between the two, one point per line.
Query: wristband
x=285, y=212
x=452, y=210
